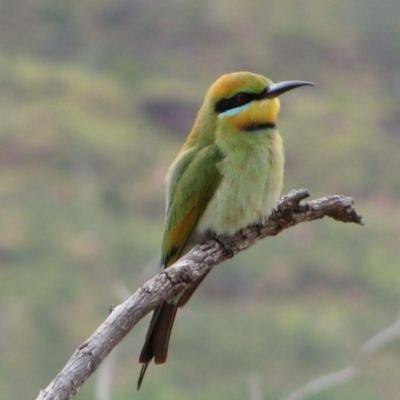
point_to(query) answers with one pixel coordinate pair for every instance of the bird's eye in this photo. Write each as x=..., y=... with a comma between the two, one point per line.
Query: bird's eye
x=242, y=98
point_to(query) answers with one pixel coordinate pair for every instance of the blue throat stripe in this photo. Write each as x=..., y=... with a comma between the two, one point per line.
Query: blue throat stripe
x=234, y=111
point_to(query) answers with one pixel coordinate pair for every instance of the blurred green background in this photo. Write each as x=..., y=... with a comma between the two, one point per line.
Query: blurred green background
x=96, y=97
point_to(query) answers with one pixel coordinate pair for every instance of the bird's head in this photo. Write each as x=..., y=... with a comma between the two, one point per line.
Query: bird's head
x=239, y=102
x=247, y=101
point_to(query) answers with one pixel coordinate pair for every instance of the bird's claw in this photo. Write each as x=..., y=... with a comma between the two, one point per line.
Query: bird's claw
x=226, y=246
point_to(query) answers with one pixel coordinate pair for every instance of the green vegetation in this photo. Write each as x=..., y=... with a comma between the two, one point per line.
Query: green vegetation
x=96, y=98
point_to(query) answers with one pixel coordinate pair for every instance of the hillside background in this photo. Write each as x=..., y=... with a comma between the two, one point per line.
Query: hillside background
x=96, y=98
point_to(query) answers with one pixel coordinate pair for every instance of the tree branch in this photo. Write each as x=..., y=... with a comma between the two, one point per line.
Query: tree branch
x=342, y=376
x=168, y=283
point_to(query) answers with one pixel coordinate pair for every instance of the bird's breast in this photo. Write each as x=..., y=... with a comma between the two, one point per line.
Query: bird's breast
x=250, y=185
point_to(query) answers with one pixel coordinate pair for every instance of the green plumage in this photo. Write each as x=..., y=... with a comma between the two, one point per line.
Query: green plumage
x=193, y=183
x=227, y=176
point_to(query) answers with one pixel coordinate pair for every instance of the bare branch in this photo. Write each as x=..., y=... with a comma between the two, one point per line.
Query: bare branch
x=345, y=375
x=168, y=283
x=104, y=378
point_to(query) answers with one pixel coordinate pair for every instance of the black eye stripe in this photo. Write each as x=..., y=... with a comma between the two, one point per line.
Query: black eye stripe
x=233, y=102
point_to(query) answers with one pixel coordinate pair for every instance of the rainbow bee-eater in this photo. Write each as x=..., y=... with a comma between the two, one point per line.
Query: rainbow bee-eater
x=227, y=176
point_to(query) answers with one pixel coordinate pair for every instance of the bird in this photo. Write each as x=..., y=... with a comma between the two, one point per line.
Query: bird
x=228, y=175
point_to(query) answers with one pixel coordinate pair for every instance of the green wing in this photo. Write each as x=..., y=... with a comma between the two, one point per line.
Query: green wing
x=192, y=184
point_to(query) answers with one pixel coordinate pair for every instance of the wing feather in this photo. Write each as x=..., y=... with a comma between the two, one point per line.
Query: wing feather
x=193, y=181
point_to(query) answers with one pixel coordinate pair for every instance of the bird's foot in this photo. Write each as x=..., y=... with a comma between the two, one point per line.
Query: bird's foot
x=226, y=246
x=259, y=227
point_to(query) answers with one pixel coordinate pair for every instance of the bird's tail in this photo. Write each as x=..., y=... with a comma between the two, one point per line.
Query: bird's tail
x=157, y=338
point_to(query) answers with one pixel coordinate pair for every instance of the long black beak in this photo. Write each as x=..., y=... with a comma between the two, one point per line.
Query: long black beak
x=277, y=89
